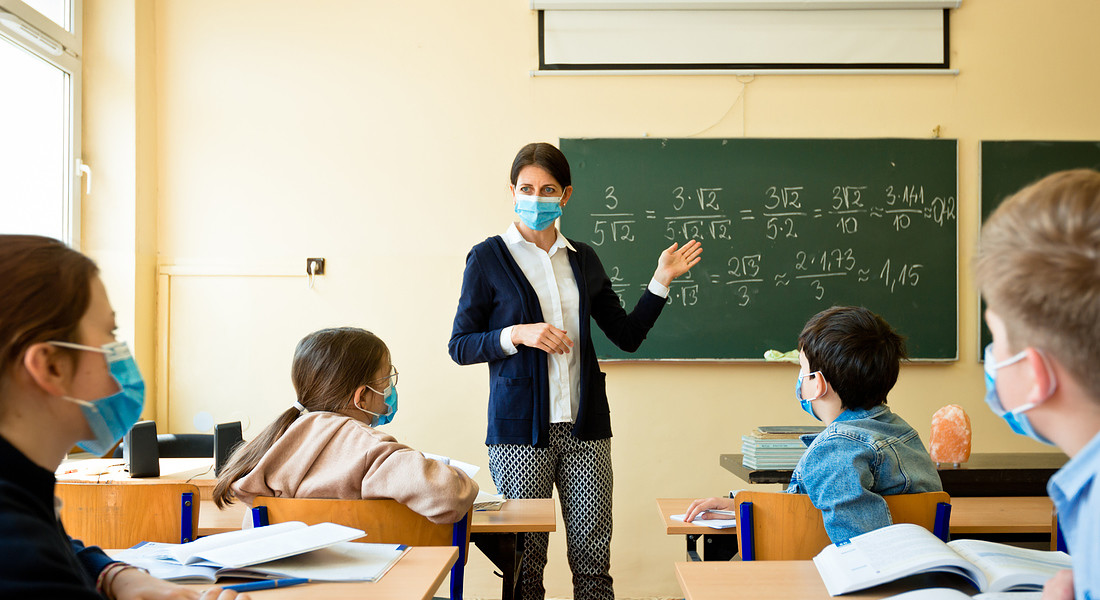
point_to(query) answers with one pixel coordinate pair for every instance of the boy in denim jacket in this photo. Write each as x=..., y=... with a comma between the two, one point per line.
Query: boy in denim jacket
x=850, y=359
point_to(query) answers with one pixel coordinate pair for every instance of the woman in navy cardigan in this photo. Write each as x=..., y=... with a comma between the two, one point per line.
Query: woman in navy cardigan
x=525, y=308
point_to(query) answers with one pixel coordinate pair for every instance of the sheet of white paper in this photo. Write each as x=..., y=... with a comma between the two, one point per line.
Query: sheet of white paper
x=465, y=467
x=346, y=561
x=712, y=523
x=274, y=547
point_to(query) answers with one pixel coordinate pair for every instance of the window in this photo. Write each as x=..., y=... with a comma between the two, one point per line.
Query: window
x=39, y=149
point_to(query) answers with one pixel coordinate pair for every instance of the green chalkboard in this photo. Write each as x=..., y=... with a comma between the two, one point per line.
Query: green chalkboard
x=1008, y=166
x=789, y=227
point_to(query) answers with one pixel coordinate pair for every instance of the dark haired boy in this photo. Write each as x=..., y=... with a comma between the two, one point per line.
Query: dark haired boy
x=850, y=358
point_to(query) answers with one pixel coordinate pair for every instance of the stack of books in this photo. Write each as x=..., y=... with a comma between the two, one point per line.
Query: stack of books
x=774, y=447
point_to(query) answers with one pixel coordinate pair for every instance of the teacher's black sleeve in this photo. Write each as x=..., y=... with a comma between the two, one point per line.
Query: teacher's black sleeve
x=625, y=330
x=474, y=338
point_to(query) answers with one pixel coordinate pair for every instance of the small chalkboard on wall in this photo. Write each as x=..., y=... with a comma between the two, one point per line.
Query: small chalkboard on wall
x=1008, y=166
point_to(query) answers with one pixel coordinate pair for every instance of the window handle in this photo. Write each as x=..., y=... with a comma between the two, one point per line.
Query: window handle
x=86, y=171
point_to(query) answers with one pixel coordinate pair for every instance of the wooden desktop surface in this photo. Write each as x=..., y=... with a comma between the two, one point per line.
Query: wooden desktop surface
x=985, y=474
x=516, y=516
x=1013, y=514
x=785, y=580
x=197, y=471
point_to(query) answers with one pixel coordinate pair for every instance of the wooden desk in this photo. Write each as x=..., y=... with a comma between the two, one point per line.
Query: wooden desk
x=197, y=471
x=499, y=534
x=718, y=544
x=785, y=580
x=415, y=577
x=985, y=474
x=969, y=516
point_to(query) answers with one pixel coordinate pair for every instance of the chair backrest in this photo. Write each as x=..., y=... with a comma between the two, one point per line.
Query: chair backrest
x=782, y=526
x=119, y=515
x=384, y=521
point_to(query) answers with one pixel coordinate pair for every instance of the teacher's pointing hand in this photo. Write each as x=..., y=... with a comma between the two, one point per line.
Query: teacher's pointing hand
x=675, y=262
x=543, y=336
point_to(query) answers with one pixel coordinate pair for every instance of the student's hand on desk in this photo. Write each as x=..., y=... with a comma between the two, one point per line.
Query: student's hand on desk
x=1059, y=587
x=133, y=584
x=675, y=262
x=543, y=336
x=696, y=508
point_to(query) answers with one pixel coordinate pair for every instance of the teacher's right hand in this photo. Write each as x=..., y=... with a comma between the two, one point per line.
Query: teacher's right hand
x=543, y=336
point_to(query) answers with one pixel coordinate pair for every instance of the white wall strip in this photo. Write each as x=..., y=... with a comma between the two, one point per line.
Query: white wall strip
x=739, y=4
x=736, y=72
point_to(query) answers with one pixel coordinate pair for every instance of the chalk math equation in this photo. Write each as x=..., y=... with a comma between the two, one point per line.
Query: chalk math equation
x=786, y=237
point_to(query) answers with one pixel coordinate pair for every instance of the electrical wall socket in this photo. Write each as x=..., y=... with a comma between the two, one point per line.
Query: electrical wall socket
x=315, y=266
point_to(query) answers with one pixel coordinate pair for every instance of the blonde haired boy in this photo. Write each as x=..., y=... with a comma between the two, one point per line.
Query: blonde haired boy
x=1038, y=269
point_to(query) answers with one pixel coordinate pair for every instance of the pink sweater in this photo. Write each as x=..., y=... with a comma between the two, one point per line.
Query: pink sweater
x=329, y=455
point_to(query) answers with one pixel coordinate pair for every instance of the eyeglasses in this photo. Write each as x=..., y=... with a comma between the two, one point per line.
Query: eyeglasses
x=389, y=380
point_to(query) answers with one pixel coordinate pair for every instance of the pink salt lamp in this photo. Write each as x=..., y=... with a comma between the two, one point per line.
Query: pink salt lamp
x=950, y=435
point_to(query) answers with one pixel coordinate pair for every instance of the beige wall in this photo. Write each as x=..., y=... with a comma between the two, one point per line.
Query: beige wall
x=379, y=135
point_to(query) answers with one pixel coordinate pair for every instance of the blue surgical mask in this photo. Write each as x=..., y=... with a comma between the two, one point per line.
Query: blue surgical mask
x=807, y=404
x=111, y=417
x=1016, y=419
x=538, y=212
x=390, y=398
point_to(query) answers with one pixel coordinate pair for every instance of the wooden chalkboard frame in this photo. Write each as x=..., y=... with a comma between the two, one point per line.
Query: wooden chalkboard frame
x=928, y=316
x=1007, y=166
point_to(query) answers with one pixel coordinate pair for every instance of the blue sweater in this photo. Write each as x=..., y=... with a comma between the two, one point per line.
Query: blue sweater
x=495, y=295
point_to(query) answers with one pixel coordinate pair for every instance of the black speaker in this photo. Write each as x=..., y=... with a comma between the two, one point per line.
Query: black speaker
x=139, y=449
x=227, y=436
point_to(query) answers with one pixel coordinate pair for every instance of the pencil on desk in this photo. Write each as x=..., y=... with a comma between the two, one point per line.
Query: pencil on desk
x=264, y=585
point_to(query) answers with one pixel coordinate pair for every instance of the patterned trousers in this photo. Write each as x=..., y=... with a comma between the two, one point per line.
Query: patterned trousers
x=582, y=472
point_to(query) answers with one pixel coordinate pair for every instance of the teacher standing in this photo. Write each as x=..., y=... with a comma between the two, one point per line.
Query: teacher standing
x=528, y=300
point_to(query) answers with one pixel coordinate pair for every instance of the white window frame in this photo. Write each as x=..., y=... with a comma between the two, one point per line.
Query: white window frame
x=69, y=60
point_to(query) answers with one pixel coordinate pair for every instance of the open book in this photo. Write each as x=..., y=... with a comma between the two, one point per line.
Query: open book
x=293, y=549
x=904, y=549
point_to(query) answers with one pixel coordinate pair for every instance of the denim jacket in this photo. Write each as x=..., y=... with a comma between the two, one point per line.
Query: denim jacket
x=860, y=457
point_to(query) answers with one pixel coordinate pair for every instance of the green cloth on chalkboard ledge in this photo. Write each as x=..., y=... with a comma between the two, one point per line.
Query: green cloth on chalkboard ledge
x=790, y=356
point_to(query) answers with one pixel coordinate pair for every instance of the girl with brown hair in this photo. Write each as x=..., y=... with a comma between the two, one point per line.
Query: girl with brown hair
x=64, y=379
x=326, y=444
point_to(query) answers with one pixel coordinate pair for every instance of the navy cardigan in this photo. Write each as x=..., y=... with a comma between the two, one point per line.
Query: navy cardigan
x=495, y=295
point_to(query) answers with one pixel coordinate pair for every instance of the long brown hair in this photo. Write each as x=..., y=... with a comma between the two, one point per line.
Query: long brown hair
x=329, y=365
x=45, y=289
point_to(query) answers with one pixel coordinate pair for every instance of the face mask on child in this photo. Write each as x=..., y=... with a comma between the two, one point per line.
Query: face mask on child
x=390, y=398
x=1016, y=419
x=806, y=402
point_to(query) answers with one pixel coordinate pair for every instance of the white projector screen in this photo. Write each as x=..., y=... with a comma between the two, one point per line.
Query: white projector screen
x=733, y=39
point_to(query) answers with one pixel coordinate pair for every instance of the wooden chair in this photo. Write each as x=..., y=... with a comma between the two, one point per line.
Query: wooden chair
x=782, y=526
x=384, y=521
x=120, y=515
